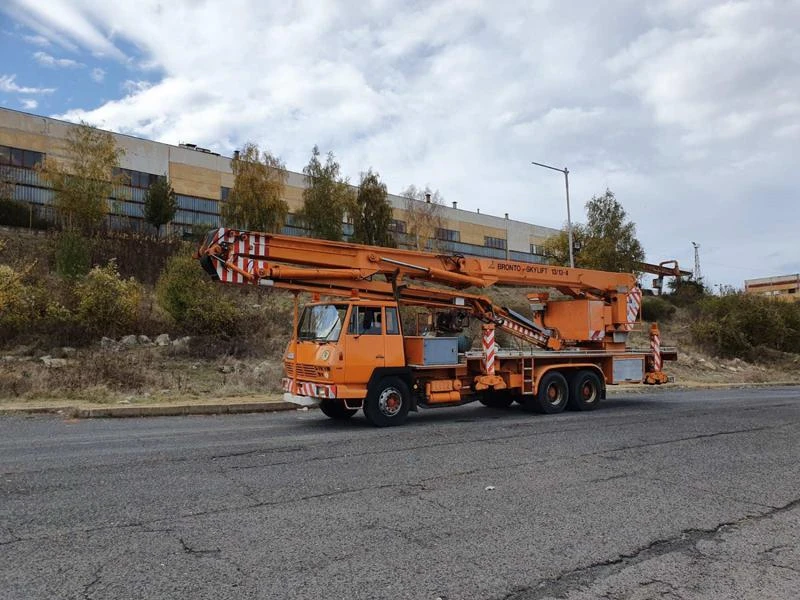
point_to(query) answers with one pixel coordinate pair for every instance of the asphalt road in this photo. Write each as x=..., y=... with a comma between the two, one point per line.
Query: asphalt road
x=657, y=495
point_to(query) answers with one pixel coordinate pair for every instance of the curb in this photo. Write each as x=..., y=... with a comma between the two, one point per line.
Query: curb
x=172, y=410
x=689, y=386
x=178, y=410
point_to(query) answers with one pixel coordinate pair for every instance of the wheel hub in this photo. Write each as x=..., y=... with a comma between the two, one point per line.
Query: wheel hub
x=553, y=394
x=390, y=402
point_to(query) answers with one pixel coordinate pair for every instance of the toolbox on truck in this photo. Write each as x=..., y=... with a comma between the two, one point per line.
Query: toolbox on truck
x=431, y=350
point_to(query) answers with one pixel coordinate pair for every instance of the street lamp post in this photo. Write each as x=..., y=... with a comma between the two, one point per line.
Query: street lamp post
x=565, y=171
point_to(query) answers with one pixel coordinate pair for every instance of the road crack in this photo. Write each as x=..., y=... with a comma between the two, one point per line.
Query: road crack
x=96, y=577
x=195, y=551
x=561, y=585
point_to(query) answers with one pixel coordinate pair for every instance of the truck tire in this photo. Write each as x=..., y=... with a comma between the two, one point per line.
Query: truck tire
x=496, y=399
x=335, y=409
x=585, y=390
x=387, y=402
x=552, y=396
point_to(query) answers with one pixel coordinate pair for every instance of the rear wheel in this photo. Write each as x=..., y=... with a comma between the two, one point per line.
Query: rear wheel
x=585, y=390
x=387, y=403
x=552, y=396
x=335, y=409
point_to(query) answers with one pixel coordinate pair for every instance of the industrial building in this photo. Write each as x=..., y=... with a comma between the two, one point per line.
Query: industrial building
x=782, y=287
x=202, y=179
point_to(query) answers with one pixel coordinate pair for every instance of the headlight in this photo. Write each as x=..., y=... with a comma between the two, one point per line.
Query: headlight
x=290, y=356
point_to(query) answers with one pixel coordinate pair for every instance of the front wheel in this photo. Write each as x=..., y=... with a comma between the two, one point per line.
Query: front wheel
x=387, y=403
x=335, y=409
x=552, y=395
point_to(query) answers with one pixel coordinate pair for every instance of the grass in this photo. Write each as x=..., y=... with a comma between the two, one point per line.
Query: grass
x=142, y=374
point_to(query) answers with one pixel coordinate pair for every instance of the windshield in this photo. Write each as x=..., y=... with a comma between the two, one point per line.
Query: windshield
x=322, y=322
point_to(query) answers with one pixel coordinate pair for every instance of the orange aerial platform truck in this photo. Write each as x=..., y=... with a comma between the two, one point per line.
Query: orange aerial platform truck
x=353, y=351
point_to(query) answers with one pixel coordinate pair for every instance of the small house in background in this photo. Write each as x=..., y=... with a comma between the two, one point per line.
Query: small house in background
x=782, y=287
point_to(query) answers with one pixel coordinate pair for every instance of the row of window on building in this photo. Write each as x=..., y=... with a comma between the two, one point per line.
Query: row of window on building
x=137, y=179
x=195, y=211
x=18, y=157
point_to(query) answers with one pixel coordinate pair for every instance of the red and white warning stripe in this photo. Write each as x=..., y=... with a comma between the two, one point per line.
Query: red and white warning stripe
x=242, y=247
x=307, y=388
x=523, y=331
x=634, y=303
x=655, y=346
x=489, y=350
x=597, y=334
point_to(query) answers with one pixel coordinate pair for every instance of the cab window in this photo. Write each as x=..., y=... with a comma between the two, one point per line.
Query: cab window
x=392, y=325
x=365, y=320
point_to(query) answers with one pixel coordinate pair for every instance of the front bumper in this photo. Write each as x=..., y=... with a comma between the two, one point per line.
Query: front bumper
x=306, y=393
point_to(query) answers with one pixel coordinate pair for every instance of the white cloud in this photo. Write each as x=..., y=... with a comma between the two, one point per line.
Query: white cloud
x=687, y=110
x=75, y=26
x=129, y=86
x=8, y=84
x=97, y=74
x=29, y=103
x=46, y=60
x=37, y=40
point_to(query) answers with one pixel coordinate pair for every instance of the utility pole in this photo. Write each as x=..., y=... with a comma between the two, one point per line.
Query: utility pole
x=697, y=274
x=565, y=171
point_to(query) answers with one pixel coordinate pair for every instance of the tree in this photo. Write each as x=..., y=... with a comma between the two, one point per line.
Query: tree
x=607, y=240
x=326, y=198
x=423, y=209
x=557, y=246
x=372, y=213
x=84, y=181
x=7, y=184
x=160, y=204
x=256, y=198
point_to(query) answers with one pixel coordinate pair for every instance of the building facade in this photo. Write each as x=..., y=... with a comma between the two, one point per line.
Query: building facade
x=202, y=180
x=782, y=287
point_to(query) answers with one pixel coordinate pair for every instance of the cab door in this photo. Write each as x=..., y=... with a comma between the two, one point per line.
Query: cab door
x=364, y=344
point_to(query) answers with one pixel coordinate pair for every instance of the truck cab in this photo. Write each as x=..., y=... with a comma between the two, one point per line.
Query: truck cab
x=366, y=332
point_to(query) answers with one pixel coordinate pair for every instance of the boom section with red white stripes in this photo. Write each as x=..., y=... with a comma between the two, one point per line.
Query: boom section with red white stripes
x=247, y=257
x=596, y=309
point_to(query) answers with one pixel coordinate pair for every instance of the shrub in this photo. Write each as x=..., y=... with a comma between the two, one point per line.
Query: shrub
x=15, y=301
x=657, y=309
x=686, y=293
x=197, y=304
x=72, y=252
x=737, y=325
x=108, y=304
x=34, y=306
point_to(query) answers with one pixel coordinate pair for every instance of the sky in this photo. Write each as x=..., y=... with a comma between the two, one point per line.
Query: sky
x=689, y=111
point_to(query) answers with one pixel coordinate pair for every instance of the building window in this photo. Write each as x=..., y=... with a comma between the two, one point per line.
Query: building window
x=137, y=179
x=17, y=157
x=224, y=192
x=494, y=242
x=293, y=220
x=397, y=226
x=537, y=249
x=448, y=235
